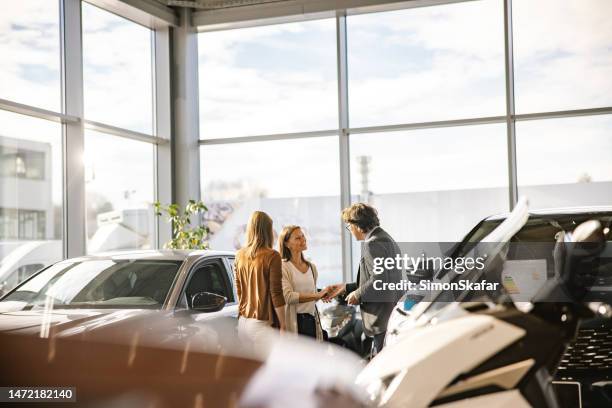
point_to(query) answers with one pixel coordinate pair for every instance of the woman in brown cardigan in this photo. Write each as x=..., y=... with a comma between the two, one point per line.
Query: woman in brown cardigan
x=258, y=281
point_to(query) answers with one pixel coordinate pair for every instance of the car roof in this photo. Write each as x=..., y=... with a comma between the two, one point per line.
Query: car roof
x=558, y=212
x=154, y=254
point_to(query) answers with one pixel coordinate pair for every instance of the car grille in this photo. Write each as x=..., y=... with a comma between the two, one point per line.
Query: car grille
x=590, y=354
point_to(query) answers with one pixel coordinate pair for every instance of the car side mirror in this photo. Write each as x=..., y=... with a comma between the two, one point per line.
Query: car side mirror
x=207, y=302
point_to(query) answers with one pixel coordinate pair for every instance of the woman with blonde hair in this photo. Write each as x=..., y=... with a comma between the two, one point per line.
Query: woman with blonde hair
x=299, y=284
x=258, y=281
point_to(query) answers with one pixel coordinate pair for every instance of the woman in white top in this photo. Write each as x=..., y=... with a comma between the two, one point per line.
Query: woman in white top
x=299, y=280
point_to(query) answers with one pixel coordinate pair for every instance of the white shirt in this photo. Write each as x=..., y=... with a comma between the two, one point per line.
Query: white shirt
x=303, y=282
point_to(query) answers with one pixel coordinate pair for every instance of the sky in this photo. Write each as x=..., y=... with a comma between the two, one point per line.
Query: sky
x=433, y=63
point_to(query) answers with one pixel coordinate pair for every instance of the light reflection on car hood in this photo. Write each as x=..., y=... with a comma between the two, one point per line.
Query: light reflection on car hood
x=154, y=328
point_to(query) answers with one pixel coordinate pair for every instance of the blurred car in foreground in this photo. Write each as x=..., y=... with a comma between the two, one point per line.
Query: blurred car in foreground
x=582, y=372
x=156, y=328
x=208, y=366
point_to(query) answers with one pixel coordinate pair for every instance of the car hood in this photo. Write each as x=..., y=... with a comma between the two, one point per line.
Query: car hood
x=69, y=322
x=154, y=328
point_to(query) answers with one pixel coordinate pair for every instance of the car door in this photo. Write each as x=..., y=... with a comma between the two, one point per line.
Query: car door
x=209, y=275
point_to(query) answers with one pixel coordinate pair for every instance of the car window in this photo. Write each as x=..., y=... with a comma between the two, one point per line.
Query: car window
x=21, y=274
x=210, y=277
x=100, y=283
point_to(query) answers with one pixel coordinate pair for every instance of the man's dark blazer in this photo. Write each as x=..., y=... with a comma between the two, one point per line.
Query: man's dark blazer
x=376, y=306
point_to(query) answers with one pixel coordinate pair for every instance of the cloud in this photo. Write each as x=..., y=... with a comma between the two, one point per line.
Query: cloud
x=240, y=95
x=117, y=70
x=29, y=40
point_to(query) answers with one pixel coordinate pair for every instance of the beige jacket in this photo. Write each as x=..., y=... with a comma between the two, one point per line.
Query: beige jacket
x=292, y=299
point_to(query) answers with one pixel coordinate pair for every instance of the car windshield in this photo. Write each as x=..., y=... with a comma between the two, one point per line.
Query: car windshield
x=99, y=284
x=539, y=228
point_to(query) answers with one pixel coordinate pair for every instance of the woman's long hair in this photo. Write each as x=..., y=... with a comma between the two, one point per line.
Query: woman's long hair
x=259, y=233
x=284, y=236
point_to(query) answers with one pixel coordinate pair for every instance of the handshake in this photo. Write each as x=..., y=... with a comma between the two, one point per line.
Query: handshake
x=331, y=291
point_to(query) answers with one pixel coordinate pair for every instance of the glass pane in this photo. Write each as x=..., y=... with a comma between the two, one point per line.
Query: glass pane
x=271, y=79
x=565, y=162
x=117, y=72
x=295, y=181
x=30, y=49
x=119, y=182
x=30, y=196
x=431, y=185
x=425, y=64
x=101, y=284
x=562, y=54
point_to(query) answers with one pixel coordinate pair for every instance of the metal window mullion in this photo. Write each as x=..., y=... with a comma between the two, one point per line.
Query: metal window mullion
x=510, y=110
x=343, y=140
x=121, y=132
x=36, y=112
x=270, y=137
x=429, y=125
x=162, y=126
x=74, y=210
x=186, y=125
x=564, y=114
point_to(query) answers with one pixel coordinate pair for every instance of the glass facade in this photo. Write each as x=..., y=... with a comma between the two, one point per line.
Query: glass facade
x=426, y=64
x=562, y=54
x=423, y=131
x=119, y=180
x=427, y=140
x=30, y=49
x=40, y=188
x=31, y=194
x=281, y=77
x=565, y=162
x=117, y=70
x=297, y=182
x=431, y=184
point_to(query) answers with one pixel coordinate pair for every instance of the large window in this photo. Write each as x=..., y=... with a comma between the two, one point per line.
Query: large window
x=431, y=131
x=271, y=79
x=565, y=162
x=295, y=181
x=119, y=177
x=119, y=171
x=425, y=64
x=431, y=185
x=30, y=49
x=562, y=54
x=30, y=196
x=117, y=70
x=45, y=44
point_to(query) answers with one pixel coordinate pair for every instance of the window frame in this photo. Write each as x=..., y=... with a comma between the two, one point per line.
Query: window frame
x=182, y=302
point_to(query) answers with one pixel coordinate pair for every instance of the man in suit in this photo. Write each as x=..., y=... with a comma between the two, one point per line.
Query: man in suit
x=376, y=305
